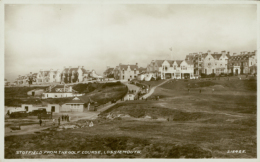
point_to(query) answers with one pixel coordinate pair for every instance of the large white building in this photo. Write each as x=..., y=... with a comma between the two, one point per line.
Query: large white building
x=171, y=69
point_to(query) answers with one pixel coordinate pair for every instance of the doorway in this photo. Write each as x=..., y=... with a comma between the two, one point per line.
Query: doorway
x=53, y=109
x=26, y=108
x=236, y=71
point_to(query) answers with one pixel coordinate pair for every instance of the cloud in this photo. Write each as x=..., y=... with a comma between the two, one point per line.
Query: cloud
x=94, y=36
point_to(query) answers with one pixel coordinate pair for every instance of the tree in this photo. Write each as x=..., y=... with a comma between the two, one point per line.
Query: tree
x=30, y=80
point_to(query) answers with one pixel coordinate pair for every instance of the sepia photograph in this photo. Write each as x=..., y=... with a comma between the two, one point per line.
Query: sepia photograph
x=147, y=80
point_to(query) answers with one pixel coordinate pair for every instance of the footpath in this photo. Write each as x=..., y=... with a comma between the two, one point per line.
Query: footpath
x=31, y=129
x=152, y=90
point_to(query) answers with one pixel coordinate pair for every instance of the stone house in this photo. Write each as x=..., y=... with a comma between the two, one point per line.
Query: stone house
x=126, y=72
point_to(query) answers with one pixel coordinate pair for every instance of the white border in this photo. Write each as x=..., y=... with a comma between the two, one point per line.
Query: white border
x=3, y=2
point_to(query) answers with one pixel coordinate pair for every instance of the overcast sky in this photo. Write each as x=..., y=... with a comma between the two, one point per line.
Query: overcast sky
x=95, y=36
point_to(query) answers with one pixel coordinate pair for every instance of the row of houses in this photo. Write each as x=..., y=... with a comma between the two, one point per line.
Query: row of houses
x=67, y=75
x=194, y=65
x=71, y=106
x=223, y=63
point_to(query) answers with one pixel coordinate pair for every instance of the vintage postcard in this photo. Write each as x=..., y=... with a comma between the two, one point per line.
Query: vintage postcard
x=120, y=80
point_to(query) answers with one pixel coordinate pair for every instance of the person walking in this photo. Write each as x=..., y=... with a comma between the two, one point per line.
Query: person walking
x=53, y=121
x=59, y=120
x=62, y=117
x=40, y=122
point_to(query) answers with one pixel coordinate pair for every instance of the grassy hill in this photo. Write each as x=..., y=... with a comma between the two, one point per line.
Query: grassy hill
x=99, y=92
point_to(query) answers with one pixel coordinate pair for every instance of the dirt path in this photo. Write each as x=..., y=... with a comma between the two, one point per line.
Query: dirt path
x=153, y=88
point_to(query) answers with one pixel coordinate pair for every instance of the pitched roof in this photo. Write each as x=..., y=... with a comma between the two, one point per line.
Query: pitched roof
x=179, y=62
x=159, y=62
x=189, y=62
x=216, y=56
x=142, y=69
x=132, y=67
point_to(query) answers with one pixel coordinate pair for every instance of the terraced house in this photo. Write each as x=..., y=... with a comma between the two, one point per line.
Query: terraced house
x=126, y=72
x=244, y=63
x=216, y=63
x=74, y=75
x=171, y=69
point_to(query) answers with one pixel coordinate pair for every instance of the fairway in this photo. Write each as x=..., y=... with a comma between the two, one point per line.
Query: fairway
x=180, y=124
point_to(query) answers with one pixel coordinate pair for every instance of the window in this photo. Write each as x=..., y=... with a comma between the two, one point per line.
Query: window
x=123, y=71
x=174, y=67
x=56, y=96
x=220, y=64
x=226, y=65
x=216, y=64
x=135, y=72
x=251, y=63
x=209, y=64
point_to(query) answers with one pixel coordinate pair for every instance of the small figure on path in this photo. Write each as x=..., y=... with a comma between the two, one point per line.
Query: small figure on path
x=40, y=122
x=59, y=120
x=53, y=121
x=62, y=117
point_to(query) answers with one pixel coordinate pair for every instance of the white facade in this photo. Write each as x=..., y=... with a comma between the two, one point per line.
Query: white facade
x=129, y=97
x=215, y=65
x=173, y=69
x=59, y=95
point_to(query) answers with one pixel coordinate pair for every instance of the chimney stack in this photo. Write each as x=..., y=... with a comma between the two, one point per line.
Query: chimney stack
x=107, y=67
x=209, y=52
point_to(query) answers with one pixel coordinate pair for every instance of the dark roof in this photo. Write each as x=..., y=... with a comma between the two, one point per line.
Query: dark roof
x=142, y=69
x=179, y=62
x=189, y=62
x=132, y=67
x=216, y=56
x=59, y=86
x=189, y=57
x=159, y=62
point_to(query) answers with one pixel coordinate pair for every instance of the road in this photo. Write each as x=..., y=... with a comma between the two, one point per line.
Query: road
x=75, y=116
